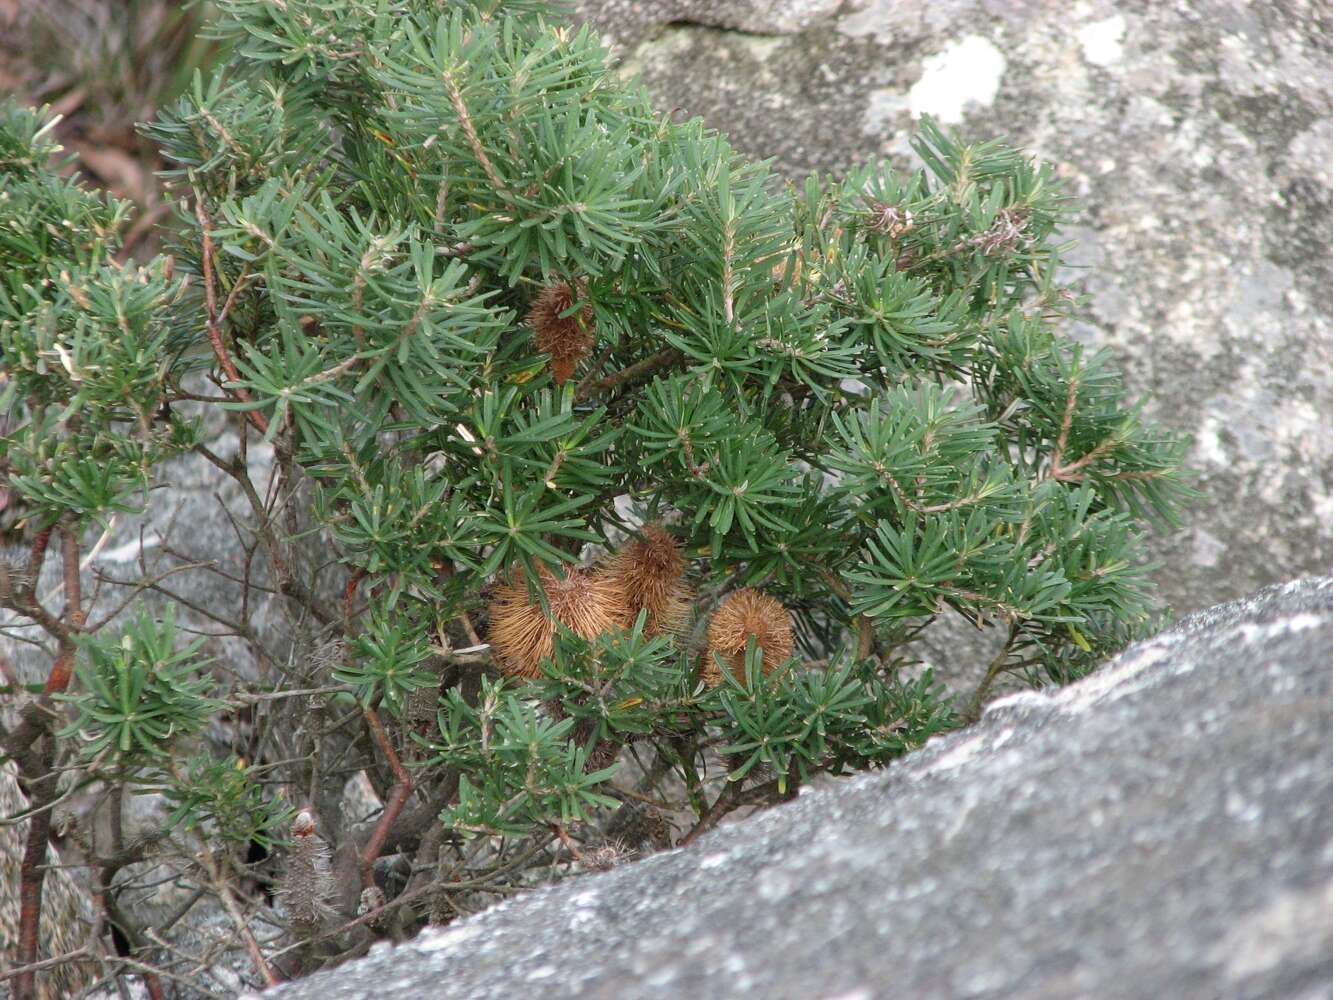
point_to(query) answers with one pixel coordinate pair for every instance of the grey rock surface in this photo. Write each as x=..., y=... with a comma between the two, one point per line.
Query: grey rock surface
x=1163, y=828
x=1198, y=139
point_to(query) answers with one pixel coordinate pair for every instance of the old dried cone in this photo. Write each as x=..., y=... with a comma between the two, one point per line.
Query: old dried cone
x=522, y=634
x=566, y=338
x=744, y=614
x=649, y=571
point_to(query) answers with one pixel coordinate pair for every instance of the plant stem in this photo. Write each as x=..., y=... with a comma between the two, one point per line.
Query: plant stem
x=730, y=799
x=647, y=366
x=36, y=759
x=973, y=712
x=214, y=318
x=32, y=873
x=402, y=788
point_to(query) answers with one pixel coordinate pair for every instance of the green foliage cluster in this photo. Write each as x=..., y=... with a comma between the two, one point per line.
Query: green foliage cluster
x=850, y=392
x=91, y=348
x=137, y=695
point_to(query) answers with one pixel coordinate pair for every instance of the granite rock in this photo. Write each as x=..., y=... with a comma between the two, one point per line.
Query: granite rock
x=1197, y=138
x=1161, y=828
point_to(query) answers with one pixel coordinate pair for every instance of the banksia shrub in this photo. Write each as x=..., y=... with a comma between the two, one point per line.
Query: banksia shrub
x=467, y=308
x=744, y=616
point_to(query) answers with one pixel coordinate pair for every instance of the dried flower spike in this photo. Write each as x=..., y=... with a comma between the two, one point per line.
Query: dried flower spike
x=744, y=614
x=566, y=338
x=649, y=572
x=14, y=577
x=309, y=881
x=521, y=634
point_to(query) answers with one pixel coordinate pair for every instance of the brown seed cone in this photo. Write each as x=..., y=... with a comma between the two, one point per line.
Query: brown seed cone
x=747, y=613
x=520, y=633
x=565, y=338
x=650, y=573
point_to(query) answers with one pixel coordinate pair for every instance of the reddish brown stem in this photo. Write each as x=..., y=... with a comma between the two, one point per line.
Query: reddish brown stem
x=61, y=672
x=1073, y=472
x=38, y=761
x=349, y=595
x=470, y=130
x=38, y=556
x=566, y=840
x=236, y=290
x=1066, y=422
x=398, y=794
x=63, y=668
x=214, y=325
x=730, y=799
x=31, y=876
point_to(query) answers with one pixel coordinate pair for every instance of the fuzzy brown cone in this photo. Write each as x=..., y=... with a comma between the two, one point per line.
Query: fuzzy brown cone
x=747, y=613
x=649, y=572
x=521, y=634
x=565, y=338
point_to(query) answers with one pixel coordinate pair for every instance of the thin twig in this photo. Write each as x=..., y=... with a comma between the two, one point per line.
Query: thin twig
x=398, y=795
x=223, y=892
x=865, y=628
x=470, y=130
x=973, y=711
x=255, y=699
x=594, y=371
x=639, y=369
x=730, y=799
x=82, y=954
x=567, y=841
x=288, y=583
x=214, y=320
x=1066, y=422
x=412, y=896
